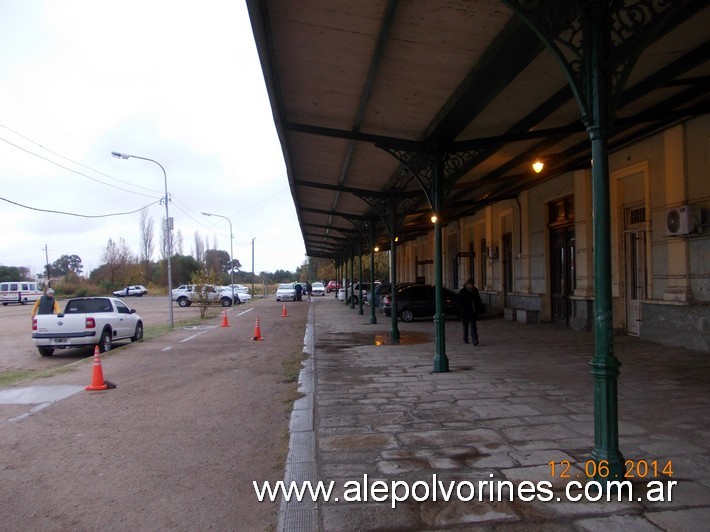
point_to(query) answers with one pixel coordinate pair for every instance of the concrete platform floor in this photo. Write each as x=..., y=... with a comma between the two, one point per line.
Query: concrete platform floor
x=516, y=411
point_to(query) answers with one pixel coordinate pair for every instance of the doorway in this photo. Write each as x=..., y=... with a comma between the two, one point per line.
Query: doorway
x=507, y=252
x=635, y=274
x=562, y=259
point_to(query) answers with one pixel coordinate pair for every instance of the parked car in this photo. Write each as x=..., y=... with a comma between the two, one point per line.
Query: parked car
x=318, y=289
x=418, y=301
x=354, y=296
x=383, y=289
x=240, y=288
x=243, y=297
x=86, y=321
x=286, y=291
x=332, y=286
x=240, y=296
x=137, y=290
x=185, y=295
x=354, y=292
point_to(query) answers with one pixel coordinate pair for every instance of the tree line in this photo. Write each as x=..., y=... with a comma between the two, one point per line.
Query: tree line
x=121, y=267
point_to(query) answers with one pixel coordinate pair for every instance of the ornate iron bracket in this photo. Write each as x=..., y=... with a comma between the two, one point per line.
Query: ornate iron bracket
x=397, y=201
x=572, y=29
x=420, y=164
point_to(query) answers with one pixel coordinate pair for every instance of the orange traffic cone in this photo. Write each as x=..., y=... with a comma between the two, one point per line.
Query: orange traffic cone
x=97, y=378
x=284, y=314
x=225, y=321
x=257, y=331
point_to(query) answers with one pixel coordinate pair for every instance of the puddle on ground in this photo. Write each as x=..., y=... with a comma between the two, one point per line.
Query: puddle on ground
x=347, y=340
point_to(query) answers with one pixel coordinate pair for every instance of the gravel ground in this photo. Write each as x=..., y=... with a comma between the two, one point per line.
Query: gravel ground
x=197, y=416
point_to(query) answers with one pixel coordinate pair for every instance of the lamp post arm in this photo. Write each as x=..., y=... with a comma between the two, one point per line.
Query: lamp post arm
x=167, y=226
x=231, y=246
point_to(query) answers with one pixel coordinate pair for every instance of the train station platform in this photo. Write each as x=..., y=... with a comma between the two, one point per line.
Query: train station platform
x=500, y=442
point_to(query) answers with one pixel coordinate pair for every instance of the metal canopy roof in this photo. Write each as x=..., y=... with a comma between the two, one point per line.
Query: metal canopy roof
x=354, y=83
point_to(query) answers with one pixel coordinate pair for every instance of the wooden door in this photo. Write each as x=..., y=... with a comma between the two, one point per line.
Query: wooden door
x=561, y=272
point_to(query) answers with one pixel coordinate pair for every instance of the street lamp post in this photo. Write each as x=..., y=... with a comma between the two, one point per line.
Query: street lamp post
x=167, y=228
x=252, y=266
x=231, y=247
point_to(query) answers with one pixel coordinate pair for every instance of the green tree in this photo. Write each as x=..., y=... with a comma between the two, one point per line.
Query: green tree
x=217, y=260
x=183, y=267
x=67, y=264
x=14, y=273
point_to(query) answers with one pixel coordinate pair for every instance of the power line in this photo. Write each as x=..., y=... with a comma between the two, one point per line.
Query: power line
x=77, y=172
x=75, y=214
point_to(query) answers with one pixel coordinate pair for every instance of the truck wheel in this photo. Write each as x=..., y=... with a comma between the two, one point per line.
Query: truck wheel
x=184, y=302
x=45, y=351
x=105, y=341
x=226, y=302
x=138, y=336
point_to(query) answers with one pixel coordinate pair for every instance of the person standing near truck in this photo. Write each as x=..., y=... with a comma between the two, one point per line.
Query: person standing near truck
x=46, y=304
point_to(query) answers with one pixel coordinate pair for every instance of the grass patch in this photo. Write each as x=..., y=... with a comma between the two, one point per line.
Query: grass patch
x=12, y=377
x=291, y=367
x=290, y=370
x=154, y=331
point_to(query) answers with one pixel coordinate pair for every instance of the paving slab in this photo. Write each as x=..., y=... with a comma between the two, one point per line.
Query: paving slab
x=516, y=411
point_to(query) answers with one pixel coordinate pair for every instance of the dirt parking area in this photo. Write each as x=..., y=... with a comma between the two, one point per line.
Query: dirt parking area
x=197, y=415
x=18, y=353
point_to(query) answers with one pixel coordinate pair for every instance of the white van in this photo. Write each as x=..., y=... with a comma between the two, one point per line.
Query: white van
x=22, y=292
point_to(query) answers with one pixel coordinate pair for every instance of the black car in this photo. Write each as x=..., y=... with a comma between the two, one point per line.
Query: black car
x=418, y=301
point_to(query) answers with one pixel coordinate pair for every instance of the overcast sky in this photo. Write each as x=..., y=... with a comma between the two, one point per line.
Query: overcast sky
x=175, y=81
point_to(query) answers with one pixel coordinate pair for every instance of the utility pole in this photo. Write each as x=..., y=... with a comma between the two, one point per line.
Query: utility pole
x=252, y=267
x=46, y=257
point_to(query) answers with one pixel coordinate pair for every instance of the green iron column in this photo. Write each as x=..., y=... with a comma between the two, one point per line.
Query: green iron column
x=605, y=366
x=345, y=279
x=597, y=43
x=338, y=276
x=351, y=293
x=441, y=361
x=394, y=329
x=359, y=276
x=373, y=318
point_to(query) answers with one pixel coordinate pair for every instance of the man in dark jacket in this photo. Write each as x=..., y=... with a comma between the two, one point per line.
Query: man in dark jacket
x=46, y=304
x=299, y=290
x=470, y=302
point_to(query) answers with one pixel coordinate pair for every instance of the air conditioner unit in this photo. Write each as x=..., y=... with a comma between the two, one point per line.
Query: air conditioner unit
x=682, y=220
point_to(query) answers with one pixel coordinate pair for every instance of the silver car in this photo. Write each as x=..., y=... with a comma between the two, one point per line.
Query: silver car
x=318, y=289
x=286, y=291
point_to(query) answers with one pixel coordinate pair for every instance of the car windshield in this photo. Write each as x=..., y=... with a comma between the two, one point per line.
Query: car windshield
x=285, y=286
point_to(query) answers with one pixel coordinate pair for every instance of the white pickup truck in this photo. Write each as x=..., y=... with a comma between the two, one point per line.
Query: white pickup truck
x=86, y=321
